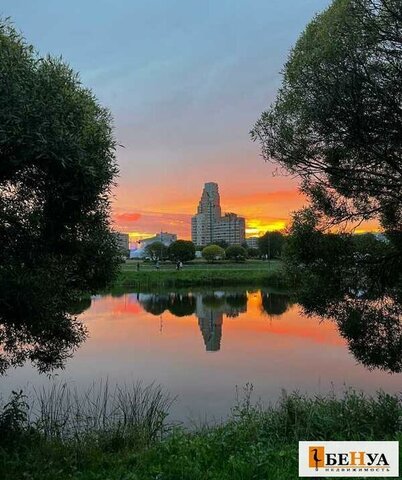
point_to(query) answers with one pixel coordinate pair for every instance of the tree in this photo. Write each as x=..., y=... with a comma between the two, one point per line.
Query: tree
x=57, y=167
x=157, y=251
x=252, y=252
x=337, y=123
x=213, y=253
x=271, y=244
x=337, y=119
x=236, y=252
x=182, y=250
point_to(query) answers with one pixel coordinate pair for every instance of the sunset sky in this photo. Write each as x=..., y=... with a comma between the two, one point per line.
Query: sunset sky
x=185, y=81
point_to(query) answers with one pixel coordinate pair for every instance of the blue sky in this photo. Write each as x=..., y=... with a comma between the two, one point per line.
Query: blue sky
x=185, y=81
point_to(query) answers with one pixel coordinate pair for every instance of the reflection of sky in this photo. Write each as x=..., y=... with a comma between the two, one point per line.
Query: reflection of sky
x=272, y=352
x=185, y=81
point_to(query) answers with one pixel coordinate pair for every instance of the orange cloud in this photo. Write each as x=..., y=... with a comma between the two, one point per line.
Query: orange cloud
x=127, y=217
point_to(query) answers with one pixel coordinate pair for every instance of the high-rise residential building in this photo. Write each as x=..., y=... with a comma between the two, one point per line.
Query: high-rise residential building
x=230, y=228
x=208, y=225
x=123, y=243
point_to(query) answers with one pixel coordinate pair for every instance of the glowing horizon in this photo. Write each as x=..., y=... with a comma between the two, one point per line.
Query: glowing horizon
x=259, y=210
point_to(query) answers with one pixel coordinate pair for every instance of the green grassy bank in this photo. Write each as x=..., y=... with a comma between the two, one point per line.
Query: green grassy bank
x=201, y=274
x=254, y=443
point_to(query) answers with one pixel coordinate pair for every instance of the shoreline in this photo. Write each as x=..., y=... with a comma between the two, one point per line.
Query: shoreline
x=197, y=275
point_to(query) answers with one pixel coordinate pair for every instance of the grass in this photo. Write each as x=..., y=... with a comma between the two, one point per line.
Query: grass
x=202, y=274
x=255, y=443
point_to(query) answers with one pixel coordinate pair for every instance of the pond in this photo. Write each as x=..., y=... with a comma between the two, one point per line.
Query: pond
x=201, y=344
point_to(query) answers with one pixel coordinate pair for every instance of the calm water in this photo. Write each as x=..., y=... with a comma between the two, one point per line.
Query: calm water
x=201, y=344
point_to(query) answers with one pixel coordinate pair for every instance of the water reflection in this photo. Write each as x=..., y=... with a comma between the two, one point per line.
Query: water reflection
x=210, y=307
x=201, y=343
x=46, y=341
x=371, y=327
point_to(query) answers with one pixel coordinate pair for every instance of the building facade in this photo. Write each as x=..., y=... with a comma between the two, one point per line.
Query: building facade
x=163, y=237
x=123, y=243
x=209, y=226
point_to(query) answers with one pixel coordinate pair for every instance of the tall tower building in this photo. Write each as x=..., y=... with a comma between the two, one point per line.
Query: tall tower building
x=208, y=213
x=208, y=225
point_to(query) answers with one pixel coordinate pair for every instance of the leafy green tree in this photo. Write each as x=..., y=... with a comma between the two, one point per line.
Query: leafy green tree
x=213, y=253
x=337, y=120
x=337, y=123
x=253, y=252
x=157, y=251
x=236, y=252
x=182, y=250
x=57, y=167
x=271, y=244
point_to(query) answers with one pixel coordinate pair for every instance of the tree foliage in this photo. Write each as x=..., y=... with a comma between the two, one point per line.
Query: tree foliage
x=213, y=253
x=236, y=252
x=271, y=244
x=157, y=251
x=57, y=166
x=337, y=124
x=182, y=250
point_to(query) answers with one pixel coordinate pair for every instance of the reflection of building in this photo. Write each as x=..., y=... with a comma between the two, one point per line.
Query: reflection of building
x=163, y=237
x=210, y=324
x=210, y=319
x=208, y=225
x=123, y=243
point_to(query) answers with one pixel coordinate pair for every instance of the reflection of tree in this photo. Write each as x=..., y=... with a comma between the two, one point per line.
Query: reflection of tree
x=274, y=304
x=47, y=341
x=237, y=300
x=155, y=304
x=80, y=305
x=212, y=300
x=373, y=330
x=355, y=281
x=182, y=305
x=370, y=324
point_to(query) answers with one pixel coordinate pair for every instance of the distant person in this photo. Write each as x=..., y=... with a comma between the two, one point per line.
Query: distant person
x=177, y=265
x=138, y=266
x=180, y=264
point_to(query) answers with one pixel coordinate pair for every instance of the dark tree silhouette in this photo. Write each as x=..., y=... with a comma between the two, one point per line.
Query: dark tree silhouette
x=57, y=167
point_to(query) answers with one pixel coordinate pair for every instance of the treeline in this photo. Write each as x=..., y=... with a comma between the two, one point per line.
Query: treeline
x=269, y=246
